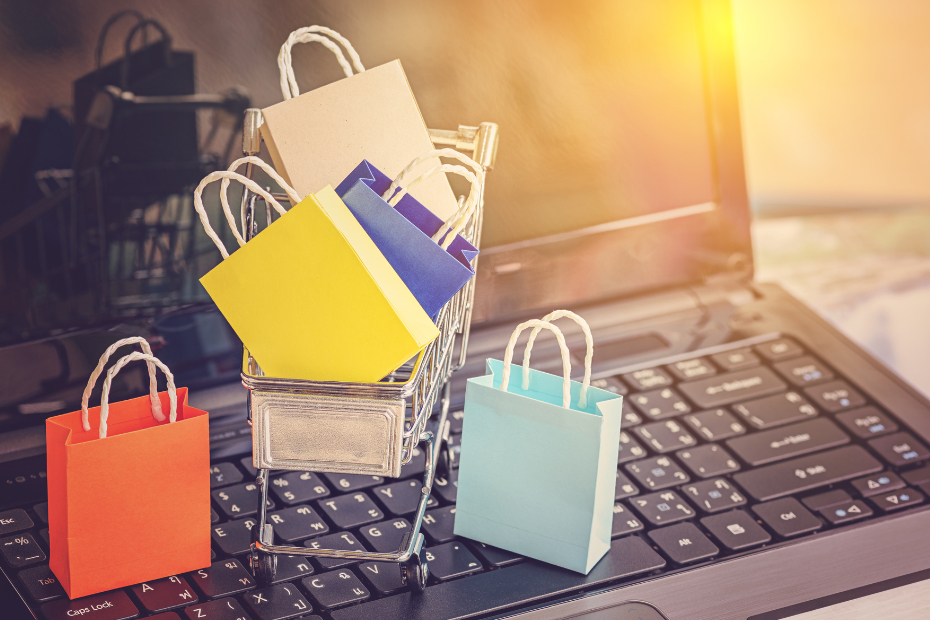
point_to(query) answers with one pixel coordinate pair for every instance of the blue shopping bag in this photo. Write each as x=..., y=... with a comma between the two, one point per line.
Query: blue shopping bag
x=539, y=461
x=403, y=234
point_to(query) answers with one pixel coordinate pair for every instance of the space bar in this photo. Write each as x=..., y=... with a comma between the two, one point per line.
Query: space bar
x=508, y=587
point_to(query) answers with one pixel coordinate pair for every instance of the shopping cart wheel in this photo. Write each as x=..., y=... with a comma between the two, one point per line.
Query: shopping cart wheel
x=264, y=565
x=415, y=571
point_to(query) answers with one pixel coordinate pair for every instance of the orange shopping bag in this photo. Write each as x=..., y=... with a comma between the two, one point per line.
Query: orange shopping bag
x=128, y=492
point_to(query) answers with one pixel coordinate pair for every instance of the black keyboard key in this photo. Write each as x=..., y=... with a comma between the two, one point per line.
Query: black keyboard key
x=867, y=422
x=715, y=424
x=41, y=511
x=401, y=498
x=214, y=518
x=608, y=383
x=234, y=537
x=659, y=404
x=877, y=483
x=248, y=466
x=343, y=541
x=383, y=577
x=825, y=500
x=835, y=396
x=659, y=472
x=781, y=349
x=714, y=495
x=807, y=472
x=14, y=521
x=164, y=594
x=41, y=583
x=732, y=387
x=684, y=543
x=385, y=537
x=648, y=378
x=451, y=560
x=492, y=556
x=624, y=487
x=113, y=605
x=240, y=500
x=804, y=371
x=737, y=359
x=223, y=474
x=662, y=508
x=521, y=584
x=336, y=589
x=291, y=567
x=222, y=609
x=776, y=410
x=736, y=530
x=630, y=417
x=438, y=524
x=708, y=460
x=692, y=369
x=447, y=488
x=20, y=550
x=222, y=579
x=350, y=511
x=346, y=483
x=43, y=534
x=297, y=487
x=788, y=441
x=787, y=517
x=846, y=512
x=917, y=476
x=896, y=500
x=630, y=449
x=296, y=523
x=900, y=448
x=665, y=436
x=277, y=602
x=624, y=523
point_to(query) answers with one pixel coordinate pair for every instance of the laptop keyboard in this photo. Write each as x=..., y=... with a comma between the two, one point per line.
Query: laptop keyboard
x=720, y=455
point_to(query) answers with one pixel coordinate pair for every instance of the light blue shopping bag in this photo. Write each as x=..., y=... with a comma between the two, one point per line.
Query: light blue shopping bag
x=535, y=477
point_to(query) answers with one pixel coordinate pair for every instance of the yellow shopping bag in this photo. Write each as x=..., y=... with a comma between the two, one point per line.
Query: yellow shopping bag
x=311, y=296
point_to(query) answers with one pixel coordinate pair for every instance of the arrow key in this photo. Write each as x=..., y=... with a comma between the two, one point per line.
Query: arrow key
x=877, y=483
x=898, y=499
x=844, y=513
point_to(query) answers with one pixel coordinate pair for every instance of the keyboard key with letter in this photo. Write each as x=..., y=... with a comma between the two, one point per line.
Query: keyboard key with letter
x=222, y=609
x=624, y=523
x=164, y=594
x=867, y=422
x=336, y=589
x=451, y=560
x=787, y=517
x=684, y=543
x=222, y=579
x=900, y=448
x=804, y=371
x=835, y=396
x=788, y=441
x=776, y=410
x=277, y=602
x=113, y=605
x=713, y=495
x=662, y=508
x=732, y=387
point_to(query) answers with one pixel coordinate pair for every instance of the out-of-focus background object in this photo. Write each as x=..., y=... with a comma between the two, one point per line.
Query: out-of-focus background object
x=835, y=108
x=835, y=101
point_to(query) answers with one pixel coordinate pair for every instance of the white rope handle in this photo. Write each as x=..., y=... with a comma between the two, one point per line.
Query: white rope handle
x=468, y=207
x=309, y=34
x=292, y=194
x=105, y=397
x=566, y=361
x=205, y=220
x=589, y=341
x=462, y=215
x=153, y=382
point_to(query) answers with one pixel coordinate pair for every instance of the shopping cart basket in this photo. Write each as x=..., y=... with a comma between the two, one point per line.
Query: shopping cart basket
x=361, y=428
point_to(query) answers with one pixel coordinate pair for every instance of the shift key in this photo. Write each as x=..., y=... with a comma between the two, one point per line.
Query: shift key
x=807, y=472
x=114, y=605
x=732, y=387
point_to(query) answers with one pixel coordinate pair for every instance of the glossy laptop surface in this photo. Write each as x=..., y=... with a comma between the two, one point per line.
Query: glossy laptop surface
x=751, y=420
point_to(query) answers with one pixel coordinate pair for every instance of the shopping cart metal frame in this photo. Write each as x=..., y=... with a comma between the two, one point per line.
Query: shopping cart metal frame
x=414, y=388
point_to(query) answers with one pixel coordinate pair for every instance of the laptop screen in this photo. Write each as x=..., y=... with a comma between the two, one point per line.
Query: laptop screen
x=618, y=126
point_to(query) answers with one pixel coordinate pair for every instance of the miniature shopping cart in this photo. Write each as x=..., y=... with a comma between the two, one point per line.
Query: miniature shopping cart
x=361, y=428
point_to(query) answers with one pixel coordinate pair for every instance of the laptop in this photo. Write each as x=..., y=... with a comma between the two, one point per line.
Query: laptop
x=769, y=467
